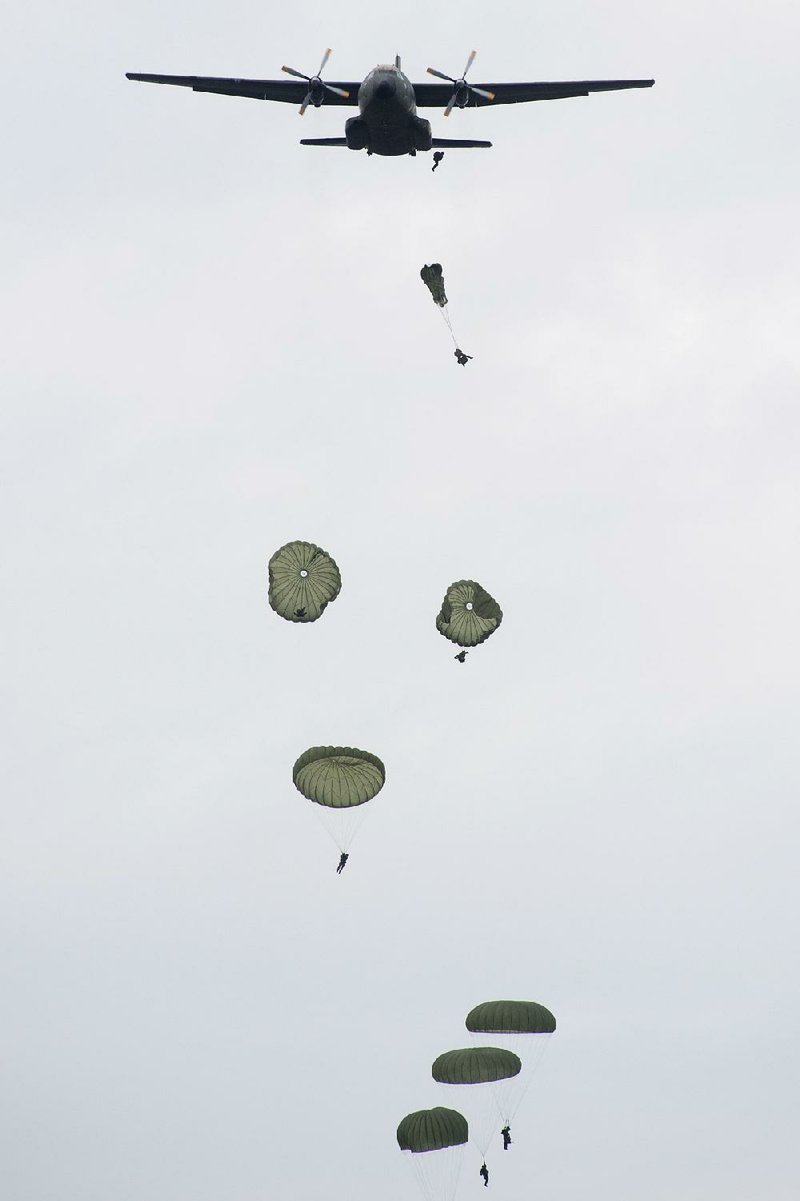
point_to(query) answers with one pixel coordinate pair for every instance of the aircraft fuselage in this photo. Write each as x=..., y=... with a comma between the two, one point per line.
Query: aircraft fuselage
x=387, y=122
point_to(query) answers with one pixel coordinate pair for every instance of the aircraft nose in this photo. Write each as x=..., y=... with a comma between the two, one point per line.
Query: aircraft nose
x=386, y=89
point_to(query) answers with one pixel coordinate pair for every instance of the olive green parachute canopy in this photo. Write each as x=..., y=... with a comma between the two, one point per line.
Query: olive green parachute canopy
x=303, y=579
x=475, y=1065
x=434, y=281
x=468, y=614
x=436, y=1140
x=510, y=1017
x=339, y=777
x=432, y=1130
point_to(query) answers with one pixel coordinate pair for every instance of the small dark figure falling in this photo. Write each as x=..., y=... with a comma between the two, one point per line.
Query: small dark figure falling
x=462, y=358
x=438, y=155
x=299, y=612
x=484, y=1172
x=461, y=656
x=506, y=1133
x=342, y=861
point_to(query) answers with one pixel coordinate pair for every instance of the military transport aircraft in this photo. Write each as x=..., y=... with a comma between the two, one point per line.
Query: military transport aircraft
x=387, y=101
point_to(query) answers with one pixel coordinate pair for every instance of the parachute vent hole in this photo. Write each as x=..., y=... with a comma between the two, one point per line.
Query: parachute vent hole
x=468, y=606
x=303, y=572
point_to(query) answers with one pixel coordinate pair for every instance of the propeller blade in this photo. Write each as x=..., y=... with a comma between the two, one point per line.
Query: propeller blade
x=440, y=75
x=450, y=104
x=314, y=82
x=470, y=61
x=480, y=92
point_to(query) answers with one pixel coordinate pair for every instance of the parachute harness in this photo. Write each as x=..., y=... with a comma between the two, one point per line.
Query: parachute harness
x=449, y=324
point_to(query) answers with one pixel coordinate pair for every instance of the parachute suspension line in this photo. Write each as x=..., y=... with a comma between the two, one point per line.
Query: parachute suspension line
x=341, y=825
x=438, y=1172
x=449, y=325
x=531, y=1058
x=505, y=1097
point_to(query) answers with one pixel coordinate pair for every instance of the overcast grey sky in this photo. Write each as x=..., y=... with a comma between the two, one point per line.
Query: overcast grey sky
x=215, y=341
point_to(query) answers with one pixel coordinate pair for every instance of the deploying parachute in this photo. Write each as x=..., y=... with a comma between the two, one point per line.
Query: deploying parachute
x=303, y=579
x=484, y=1076
x=339, y=780
x=468, y=614
x=433, y=280
x=435, y=1139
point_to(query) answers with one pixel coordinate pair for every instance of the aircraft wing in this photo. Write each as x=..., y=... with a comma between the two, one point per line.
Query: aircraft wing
x=437, y=95
x=286, y=90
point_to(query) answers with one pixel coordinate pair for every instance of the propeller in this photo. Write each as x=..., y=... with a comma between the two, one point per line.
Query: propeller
x=461, y=89
x=316, y=86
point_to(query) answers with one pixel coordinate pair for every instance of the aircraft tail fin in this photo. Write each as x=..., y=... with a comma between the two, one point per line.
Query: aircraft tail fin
x=448, y=143
x=323, y=141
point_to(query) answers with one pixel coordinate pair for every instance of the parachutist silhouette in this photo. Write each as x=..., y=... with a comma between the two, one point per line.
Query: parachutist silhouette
x=484, y=1172
x=438, y=155
x=461, y=656
x=506, y=1133
x=462, y=358
x=299, y=612
x=342, y=861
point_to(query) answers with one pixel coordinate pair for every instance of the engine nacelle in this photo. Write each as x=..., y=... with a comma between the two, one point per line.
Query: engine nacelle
x=316, y=91
x=462, y=94
x=421, y=134
x=356, y=133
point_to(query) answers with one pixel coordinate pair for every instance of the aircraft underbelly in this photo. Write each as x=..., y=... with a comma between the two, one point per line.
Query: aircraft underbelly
x=394, y=128
x=390, y=139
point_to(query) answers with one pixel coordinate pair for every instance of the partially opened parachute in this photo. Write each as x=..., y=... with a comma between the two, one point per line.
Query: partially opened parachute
x=339, y=780
x=433, y=279
x=469, y=615
x=435, y=1140
x=303, y=580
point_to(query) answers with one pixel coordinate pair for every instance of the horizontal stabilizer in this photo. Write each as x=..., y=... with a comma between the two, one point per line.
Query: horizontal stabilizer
x=323, y=141
x=447, y=143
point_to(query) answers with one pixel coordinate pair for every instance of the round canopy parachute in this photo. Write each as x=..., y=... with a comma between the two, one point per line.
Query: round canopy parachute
x=524, y=1027
x=433, y=280
x=468, y=614
x=510, y=1017
x=475, y=1065
x=434, y=1141
x=432, y=1130
x=338, y=777
x=303, y=579
x=339, y=780
x=485, y=1078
